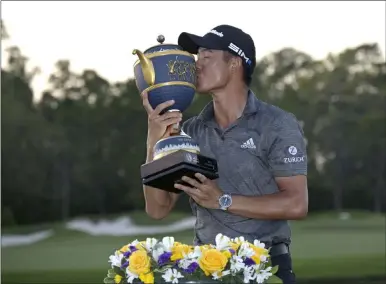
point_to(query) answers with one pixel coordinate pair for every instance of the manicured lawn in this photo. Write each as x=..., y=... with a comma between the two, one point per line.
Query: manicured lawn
x=322, y=247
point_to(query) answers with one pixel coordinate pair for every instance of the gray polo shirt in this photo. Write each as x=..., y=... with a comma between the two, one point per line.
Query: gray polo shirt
x=264, y=143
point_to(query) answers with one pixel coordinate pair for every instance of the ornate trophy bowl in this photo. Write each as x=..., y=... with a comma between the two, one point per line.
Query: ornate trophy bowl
x=166, y=72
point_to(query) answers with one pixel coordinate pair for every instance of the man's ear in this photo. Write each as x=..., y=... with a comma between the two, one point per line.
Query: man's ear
x=236, y=63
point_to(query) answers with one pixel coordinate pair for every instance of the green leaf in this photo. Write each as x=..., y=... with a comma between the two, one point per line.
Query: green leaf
x=111, y=271
x=274, y=269
x=108, y=280
x=274, y=279
x=163, y=269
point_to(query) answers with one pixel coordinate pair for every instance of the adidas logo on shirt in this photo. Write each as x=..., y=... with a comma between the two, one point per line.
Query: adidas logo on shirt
x=248, y=144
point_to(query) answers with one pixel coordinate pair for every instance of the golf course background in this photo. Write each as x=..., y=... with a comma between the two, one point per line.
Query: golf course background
x=73, y=149
x=325, y=247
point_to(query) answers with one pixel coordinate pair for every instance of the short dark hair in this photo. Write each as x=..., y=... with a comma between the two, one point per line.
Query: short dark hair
x=247, y=79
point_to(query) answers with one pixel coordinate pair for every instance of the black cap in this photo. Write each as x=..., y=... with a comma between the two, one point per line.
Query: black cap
x=223, y=37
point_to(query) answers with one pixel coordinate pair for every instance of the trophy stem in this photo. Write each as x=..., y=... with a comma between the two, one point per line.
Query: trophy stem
x=175, y=128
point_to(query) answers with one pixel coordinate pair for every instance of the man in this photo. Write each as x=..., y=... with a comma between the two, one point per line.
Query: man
x=260, y=150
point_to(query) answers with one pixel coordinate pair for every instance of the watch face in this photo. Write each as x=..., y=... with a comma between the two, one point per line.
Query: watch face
x=225, y=200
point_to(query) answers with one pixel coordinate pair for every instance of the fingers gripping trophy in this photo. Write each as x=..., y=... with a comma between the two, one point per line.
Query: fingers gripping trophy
x=165, y=73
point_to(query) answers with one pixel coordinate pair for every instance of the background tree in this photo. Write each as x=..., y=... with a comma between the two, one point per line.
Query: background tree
x=78, y=150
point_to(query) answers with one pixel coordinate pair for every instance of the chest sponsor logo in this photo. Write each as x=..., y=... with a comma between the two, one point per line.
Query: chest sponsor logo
x=292, y=160
x=292, y=150
x=248, y=144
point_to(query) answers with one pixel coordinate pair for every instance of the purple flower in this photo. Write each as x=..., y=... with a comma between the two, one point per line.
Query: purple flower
x=124, y=265
x=191, y=268
x=232, y=251
x=249, y=261
x=130, y=251
x=164, y=258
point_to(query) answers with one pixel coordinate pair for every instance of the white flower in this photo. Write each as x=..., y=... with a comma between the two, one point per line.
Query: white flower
x=195, y=254
x=259, y=267
x=222, y=242
x=150, y=243
x=263, y=258
x=245, y=250
x=263, y=275
x=130, y=276
x=188, y=259
x=134, y=243
x=168, y=243
x=248, y=274
x=217, y=275
x=185, y=262
x=116, y=259
x=172, y=275
x=259, y=244
x=191, y=257
x=157, y=251
x=236, y=263
x=239, y=240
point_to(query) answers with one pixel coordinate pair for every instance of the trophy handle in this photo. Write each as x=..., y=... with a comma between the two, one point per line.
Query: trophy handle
x=147, y=67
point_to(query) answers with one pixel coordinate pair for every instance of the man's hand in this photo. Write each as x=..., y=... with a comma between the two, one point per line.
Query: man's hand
x=158, y=202
x=204, y=191
x=159, y=125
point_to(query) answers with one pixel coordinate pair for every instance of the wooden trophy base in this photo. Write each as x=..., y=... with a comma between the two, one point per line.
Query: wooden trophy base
x=163, y=173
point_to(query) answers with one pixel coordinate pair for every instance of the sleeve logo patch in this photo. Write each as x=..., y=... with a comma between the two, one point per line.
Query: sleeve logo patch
x=292, y=150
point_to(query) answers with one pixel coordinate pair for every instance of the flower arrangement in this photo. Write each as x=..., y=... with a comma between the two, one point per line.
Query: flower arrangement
x=229, y=261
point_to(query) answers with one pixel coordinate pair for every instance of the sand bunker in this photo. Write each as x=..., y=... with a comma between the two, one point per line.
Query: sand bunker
x=20, y=240
x=124, y=226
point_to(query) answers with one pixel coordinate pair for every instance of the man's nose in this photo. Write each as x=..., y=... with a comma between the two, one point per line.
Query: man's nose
x=198, y=65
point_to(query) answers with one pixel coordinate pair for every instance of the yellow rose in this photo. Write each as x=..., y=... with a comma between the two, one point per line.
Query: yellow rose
x=139, y=262
x=212, y=261
x=178, y=251
x=258, y=253
x=147, y=278
x=117, y=278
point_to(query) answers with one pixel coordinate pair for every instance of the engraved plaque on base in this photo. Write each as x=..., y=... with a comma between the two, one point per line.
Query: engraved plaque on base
x=169, y=169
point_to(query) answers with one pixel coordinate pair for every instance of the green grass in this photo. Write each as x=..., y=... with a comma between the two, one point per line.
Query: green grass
x=323, y=246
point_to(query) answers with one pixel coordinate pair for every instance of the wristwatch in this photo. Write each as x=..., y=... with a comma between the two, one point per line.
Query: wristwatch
x=225, y=201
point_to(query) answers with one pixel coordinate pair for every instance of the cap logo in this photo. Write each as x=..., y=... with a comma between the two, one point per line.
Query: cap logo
x=220, y=34
x=240, y=52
